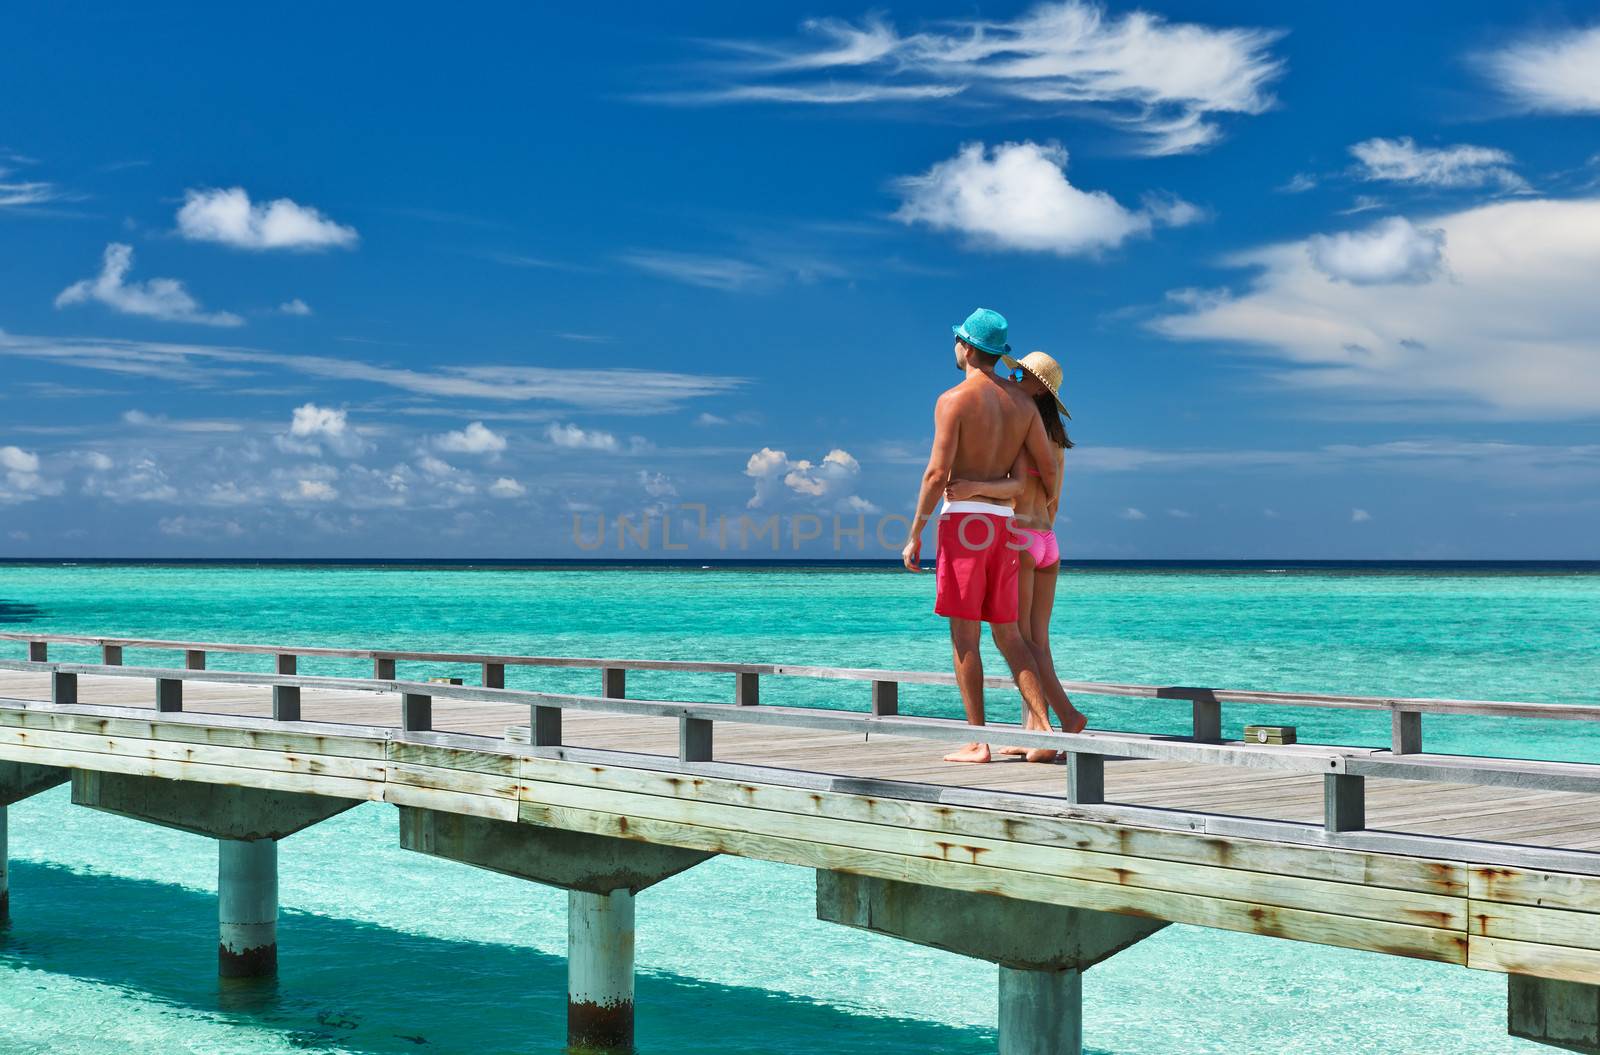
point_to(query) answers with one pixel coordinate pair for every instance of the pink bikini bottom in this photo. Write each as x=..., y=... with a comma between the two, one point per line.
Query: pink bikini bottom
x=1041, y=547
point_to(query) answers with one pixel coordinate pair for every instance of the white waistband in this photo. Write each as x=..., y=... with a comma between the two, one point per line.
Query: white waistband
x=992, y=508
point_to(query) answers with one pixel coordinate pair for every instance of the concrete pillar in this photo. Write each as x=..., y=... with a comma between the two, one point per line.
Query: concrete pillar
x=1041, y=1012
x=1561, y=1014
x=247, y=908
x=600, y=971
x=5, y=878
x=1042, y=949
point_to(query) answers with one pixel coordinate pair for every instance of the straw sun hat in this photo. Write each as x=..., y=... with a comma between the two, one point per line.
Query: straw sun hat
x=1045, y=370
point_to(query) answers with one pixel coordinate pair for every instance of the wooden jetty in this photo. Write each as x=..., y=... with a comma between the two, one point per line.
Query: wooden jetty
x=1487, y=863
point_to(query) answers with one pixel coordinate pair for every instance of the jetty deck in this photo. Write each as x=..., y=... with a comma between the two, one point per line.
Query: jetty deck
x=1487, y=863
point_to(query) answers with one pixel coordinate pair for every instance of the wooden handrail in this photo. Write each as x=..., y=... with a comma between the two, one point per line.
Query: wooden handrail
x=1192, y=694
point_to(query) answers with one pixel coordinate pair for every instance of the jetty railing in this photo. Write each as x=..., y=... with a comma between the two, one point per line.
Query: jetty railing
x=1206, y=703
x=1344, y=769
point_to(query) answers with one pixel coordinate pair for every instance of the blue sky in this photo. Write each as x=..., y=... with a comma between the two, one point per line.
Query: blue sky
x=407, y=282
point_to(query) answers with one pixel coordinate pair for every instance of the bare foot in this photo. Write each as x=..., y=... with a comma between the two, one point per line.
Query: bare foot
x=970, y=753
x=1011, y=750
x=1041, y=754
x=1074, y=720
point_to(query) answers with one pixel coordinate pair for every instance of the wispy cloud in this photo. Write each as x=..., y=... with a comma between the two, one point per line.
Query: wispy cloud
x=1511, y=334
x=158, y=298
x=618, y=390
x=1164, y=82
x=227, y=216
x=573, y=437
x=711, y=272
x=140, y=419
x=1392, y=251
x=1554, y=72
x=1463, y=165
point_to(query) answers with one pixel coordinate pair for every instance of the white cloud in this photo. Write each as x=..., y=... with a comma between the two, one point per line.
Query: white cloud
x=709, y=420
x=1359, y=516
x=1180, y=514
x=1131, y=513
x=476, y=438
x=28, y=192
x=1162, y=81
x=1512, y=334
x=228, y=217
x=506, y=487
x=619, y=390
x=21, y=477
x=656, y=485
x=199, y=527
x=295, y=307
x=160, y=421
x=711, y=272
x=1017, y=197
x=1557, y=73
x=314, y=428
x=313, y=491
x=575, y=438
x=1390, y=251
x=159, y=298
x=1402, y=161
x=1299, y=183
x=776, y=475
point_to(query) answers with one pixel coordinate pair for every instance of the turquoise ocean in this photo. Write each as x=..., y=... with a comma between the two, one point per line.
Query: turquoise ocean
x=112, y=946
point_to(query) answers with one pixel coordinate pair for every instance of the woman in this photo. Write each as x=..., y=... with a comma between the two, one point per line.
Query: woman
x=1040, y=377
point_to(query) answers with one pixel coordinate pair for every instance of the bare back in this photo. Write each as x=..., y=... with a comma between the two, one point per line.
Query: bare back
x=992, y=424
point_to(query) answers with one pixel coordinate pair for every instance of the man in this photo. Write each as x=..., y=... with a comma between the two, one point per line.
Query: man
x=980, y=427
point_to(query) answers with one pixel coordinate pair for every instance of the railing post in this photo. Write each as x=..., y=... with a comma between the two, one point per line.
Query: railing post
x=747, y=689
x=63, y=687
x=1086, y=778
x=1406, y=732
x=694, y=739
x=194, y=659
x=885, y=698
x=1344, y=802
x=286, y=698
x=494, y=675
x=382, y=668
x=169, y=694
x=416, y=712
x=38, y=652
x=111, y=655
x=545, y=726
x=1208, y=719
x=613, y=683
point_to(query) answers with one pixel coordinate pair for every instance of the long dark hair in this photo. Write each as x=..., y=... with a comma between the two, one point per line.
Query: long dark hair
x=1053, y=426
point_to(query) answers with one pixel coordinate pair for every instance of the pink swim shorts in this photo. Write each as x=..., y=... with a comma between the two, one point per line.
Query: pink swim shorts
x=1041, y=547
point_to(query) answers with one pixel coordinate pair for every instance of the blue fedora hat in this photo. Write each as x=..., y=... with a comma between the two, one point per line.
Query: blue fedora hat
x=985, y=330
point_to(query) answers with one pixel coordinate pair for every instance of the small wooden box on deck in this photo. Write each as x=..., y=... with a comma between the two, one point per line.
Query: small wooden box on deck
x=1269, y=734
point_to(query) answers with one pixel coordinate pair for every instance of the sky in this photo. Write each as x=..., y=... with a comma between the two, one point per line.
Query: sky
x=402, y=281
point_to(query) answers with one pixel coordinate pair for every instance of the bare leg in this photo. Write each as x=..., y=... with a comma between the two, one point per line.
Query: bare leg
x=1025, y=588
x=1044, y=599
x=1025, y=670
x=966, y=637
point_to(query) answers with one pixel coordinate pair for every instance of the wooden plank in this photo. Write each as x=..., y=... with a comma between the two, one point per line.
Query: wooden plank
x=1344, y=866
x=1349, y=899
x=1493, y=772
x=495, y=808
x=461, y=781
x=1396, y=939
x=1543, y=961
x=220, y=730
x=472, y=760
x=1525, y=886
x=1541, y=926
x=232, y=776
x=276, y=761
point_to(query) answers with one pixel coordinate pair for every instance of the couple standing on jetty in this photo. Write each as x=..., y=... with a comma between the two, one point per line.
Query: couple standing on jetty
x=998, y=451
